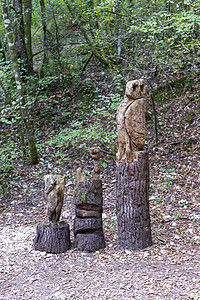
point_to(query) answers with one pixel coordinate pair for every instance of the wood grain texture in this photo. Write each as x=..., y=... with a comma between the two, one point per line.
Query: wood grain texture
x=52, y=238
x=131, y=121
x=132, y=192
x=54, y=192
x=88, y=231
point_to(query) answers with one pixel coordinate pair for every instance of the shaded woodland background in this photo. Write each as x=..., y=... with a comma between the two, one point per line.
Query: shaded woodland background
x=74, y=59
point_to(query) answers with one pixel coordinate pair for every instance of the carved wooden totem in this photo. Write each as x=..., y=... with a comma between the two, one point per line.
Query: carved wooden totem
x=132, y=172
x=53, y=237
x=88, y=200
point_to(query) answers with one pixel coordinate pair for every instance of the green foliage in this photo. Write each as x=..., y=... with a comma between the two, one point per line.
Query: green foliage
x=7, y=154
x=7, y=83
x=167, y=42
x=85, y=130
x=190, y=117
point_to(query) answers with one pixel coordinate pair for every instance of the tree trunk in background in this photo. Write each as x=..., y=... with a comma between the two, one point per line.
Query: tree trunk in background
x=118, y=25
x=23, y=111
x=27, y=8
x=44, y=27
x=57, y=49
x=19, y=38
x=2, y=53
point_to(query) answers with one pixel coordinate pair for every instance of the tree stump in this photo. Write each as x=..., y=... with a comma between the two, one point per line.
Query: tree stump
x=88, y=200
x=52, y=237
x=132, y=191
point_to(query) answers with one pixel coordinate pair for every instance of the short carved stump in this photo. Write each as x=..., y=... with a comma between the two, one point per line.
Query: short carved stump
x=88, y=230
x=52, y=238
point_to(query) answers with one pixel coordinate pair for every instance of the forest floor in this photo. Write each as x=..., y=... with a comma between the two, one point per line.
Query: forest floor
x=169, y=269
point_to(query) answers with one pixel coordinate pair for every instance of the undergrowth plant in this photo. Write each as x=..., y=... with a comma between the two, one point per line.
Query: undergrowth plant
x=96, y=125
x=7, y=154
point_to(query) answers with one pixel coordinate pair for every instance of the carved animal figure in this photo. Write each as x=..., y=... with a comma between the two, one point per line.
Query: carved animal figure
x=95, y=153
x=54, y=190
x=131, y=121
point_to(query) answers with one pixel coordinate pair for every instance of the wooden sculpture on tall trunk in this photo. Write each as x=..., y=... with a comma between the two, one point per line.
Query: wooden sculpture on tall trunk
x=53, y=237
x=132, y=172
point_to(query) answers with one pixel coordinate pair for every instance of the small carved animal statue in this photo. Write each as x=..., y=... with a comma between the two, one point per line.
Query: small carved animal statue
x=131, y=121
x=95, y=153
x=54, y=191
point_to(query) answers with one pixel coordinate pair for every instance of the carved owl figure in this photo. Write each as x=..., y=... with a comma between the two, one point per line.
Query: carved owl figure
x=54, y=191
x=131, y=121
x=136, y=89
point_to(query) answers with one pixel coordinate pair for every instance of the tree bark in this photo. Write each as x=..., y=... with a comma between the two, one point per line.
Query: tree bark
x=88, y=231
x=19, y=38
x=27, y=8
x=90, y=242
x=19, y=85
x=44, y=27
x=52, y=238
x=132, y=191
x=2, y=53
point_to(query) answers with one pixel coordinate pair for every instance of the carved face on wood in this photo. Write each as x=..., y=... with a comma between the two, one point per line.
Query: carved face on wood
x=136, y=89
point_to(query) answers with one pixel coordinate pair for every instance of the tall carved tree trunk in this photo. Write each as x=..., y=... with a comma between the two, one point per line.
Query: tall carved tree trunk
x=132, y=172
x=27, y=126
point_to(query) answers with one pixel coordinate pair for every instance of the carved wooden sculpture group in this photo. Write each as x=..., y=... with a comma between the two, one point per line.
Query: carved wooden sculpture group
x=132, y=189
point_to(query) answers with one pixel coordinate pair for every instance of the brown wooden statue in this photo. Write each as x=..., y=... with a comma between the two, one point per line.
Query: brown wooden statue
x=54, y=191
x=53, y=237
x=131, y=121
x=132, y=172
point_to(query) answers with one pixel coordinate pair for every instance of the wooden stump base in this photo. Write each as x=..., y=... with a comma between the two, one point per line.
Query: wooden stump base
x=89, y=242
x=52, y=238
x=132, y=192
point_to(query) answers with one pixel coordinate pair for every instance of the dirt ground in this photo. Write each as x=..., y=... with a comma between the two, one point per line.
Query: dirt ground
x=164, y=271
